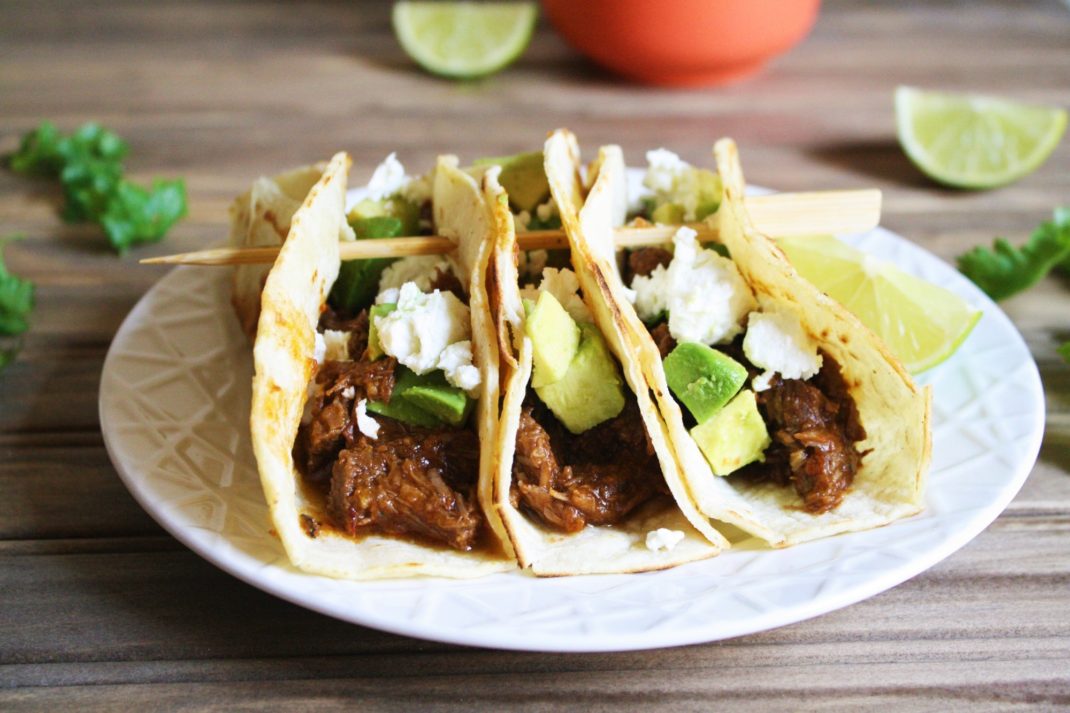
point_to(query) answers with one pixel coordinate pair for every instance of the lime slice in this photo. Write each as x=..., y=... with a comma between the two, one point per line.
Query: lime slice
x=972, y=141
x=921, y=323
x=464, y=40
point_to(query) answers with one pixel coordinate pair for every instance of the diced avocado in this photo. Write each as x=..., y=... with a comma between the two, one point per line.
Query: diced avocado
x=668, y=214
x=358, y=280
x=375, y=349
x=529, y=306
x=425, y=400
x=367, y=208
x=522, y=177
x=710, y=191
x=555, y=337
x=394, y=207
x=703, y=378
x=734, y=436
x=405, y=412
x=591, y=390
x=432, y=394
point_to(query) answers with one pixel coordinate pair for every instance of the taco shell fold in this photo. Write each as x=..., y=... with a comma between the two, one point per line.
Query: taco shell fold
x=895, y=413
x=294, y=292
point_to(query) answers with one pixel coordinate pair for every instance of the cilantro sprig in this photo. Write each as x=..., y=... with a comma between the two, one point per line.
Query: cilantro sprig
x=16, y=303
x=88, y=164
x=1005, y=270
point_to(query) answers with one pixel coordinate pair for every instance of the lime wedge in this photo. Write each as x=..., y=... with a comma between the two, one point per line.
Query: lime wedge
x=971, y=141
x=921, y=323
x=464, y=40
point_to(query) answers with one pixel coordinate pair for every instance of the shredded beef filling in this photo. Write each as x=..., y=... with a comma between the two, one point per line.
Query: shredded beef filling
x=643, y=261
x=814, y=426
x=662, y=338
x=446, y=281
x=409, y=481
x=597, y=477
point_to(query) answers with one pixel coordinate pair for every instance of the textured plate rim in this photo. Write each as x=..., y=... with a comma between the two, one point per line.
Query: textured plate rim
x=250, y=570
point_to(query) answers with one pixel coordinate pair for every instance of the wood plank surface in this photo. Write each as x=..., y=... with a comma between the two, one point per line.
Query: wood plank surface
x=102, y=610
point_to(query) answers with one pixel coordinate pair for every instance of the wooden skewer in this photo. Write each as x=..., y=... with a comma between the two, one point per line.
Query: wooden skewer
x=778, y=214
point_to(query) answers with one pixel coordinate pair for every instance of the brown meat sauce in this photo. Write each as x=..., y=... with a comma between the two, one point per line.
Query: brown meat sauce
x=417, y=483
x=598, y=477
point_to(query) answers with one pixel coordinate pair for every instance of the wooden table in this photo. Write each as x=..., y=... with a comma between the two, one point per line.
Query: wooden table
x=100, y=609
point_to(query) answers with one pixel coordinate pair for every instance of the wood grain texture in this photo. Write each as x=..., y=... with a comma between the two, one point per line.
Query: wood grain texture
x=101, y=610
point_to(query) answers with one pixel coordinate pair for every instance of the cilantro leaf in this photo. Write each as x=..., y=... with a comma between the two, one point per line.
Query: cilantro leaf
x=46, y=152
x=88, y=164
x=16, y=300
x=1006, y=270
x=1064, y=351
x=134, y=215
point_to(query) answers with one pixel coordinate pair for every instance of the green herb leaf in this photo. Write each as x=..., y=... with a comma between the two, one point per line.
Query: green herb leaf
x=134, y=215
x=39, y=152
x=16, y=299
x=1064, y=351
x=358, y=280
x=1006, y=270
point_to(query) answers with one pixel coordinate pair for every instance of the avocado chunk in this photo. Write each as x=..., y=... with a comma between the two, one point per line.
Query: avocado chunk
x=555, y=337
x=734, y=436
x=668, y=214
x=425, y=400
x=375, y=349
x=393, y=207
x=523, y=178
x=432, y=394
x=703, y=378
x=590, y=391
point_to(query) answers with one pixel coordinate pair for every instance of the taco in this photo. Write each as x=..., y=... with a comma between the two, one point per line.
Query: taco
x=585, y=479
x=789, y=418
x=368, y=414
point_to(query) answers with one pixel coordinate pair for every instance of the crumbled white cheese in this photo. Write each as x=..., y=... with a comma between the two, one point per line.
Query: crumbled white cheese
x=349, y=392
x=675, y=181
x=663, y=169
x=456, y=362
x=336, y=344
x=704, y=294
x=546, y=211
x=422, y=328
x=319, y=350
x=663, y=539
x=418, y=190
x=387, y=296
x=365, y=423
x=521, y=221
x=777, y=343
x=531, y=263
x=565, y=287
x=387, y=179
x=420, y=269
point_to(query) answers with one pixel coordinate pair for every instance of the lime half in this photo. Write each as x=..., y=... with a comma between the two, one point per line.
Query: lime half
x=921, y=323
x=464, y=40
x=971, y=141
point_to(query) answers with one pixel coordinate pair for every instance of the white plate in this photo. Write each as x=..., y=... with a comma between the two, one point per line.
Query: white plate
x=174, y=410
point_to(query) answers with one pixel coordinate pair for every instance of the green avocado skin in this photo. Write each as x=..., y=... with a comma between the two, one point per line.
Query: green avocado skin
x=426, y=400
x=703, y=378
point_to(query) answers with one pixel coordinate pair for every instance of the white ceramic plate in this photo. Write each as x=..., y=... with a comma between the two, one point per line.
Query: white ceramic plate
x=174, y=410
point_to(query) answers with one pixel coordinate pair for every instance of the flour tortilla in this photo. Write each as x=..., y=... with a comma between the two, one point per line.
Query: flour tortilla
x=895, y=413
x=294, y=292
x=261, y=217
x=594, y=549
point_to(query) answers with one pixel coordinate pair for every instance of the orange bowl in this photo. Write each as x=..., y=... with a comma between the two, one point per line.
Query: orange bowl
x=682, y=42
